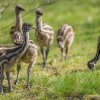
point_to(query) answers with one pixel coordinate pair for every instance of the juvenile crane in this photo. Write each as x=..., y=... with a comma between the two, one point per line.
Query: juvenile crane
x=65, y=37
x=44, y=35
x=31, y=53
x=11, y=55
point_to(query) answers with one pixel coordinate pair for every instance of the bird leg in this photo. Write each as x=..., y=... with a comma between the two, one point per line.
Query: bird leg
x=1, y=78
x=66, y=52
x=9, y=81
x=62, y=54
x=18, y=70
x=47, y=52
x=29, y=70
x=43, y=54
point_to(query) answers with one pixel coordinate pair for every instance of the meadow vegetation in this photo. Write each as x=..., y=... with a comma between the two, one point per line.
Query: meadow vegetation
x=60, y=80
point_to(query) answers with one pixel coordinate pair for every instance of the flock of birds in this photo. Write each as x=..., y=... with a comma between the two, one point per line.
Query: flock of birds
x=25, y=50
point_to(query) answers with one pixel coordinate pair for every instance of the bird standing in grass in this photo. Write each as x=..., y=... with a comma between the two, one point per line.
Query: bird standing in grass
x=44, y=35
x=65, y=37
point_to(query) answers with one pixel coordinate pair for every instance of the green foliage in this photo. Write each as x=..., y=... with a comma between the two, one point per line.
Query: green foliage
x=90, y=82
x=60, y=79
x=64, y=85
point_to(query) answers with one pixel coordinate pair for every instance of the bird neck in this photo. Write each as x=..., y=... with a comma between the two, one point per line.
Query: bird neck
x=19, y=50
x=39, y=22
x=19, y=21
x=26, y=39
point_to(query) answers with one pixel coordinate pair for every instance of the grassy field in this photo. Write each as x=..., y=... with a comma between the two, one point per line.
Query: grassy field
x=66, y=80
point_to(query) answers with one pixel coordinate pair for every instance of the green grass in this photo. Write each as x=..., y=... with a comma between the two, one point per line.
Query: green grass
x=64, y=79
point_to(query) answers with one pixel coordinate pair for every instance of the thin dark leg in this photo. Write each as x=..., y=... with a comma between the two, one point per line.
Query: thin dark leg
x=43, y=54
x=1, y=78
x=62, y=54
x=18, y=69
x=47, y=52
x=29, y=70
x=67, y=50
x=9, y=81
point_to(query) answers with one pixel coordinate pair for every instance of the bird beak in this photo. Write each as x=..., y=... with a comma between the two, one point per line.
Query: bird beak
x=22, y=9
x=34, y=27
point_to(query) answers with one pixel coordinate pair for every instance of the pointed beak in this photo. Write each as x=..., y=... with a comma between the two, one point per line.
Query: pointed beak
x=19, y=7
x=22, y=9
x=34, y=27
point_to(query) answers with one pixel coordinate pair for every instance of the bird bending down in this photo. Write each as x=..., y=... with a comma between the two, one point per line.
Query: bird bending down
x=65, y=37
x=91, y=63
